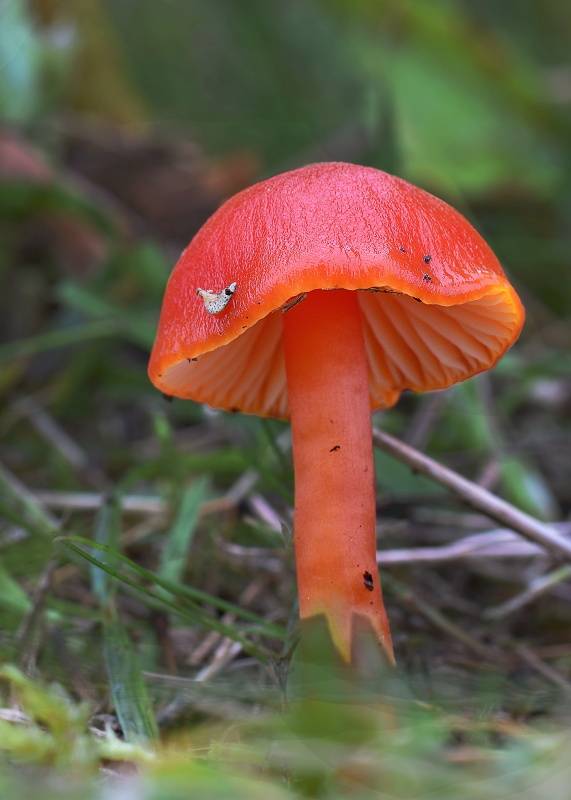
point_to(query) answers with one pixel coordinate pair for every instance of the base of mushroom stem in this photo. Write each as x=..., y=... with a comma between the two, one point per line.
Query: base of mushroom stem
x=319, y=669
x=331, y=699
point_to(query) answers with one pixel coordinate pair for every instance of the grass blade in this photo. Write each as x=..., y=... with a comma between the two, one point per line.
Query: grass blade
x=107, y=533
x=61, y=337
x=179, y=538
x=199, y=617
x=128, y=689
x=135, y=327
x=12, y=597
x=187, y=594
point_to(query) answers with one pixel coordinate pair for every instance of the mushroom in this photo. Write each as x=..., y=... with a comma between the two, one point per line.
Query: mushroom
x=349, y=286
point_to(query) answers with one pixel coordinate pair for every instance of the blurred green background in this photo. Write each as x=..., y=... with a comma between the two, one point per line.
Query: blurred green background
x=470, y=100
x=123, y=125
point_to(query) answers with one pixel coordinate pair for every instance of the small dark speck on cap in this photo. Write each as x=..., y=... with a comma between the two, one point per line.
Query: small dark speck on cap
x=402, y=249
x=426, y=277
x=426, y=259
x=337, y=447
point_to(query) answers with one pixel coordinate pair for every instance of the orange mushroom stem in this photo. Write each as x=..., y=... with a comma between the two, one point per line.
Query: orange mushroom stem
x=334, y=524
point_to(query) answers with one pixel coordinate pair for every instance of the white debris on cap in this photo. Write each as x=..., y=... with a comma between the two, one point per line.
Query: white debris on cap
x=215, y=302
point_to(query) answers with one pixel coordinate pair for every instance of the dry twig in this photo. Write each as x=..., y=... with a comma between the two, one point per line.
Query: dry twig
x=499, y=543
x=479, y=498
x=536, y=587
x=533, y=660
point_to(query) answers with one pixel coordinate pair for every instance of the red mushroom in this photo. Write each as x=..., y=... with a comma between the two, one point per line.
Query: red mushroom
x=420, y=302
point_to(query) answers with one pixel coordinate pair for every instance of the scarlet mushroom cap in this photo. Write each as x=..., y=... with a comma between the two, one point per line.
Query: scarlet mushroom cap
x=436, y=305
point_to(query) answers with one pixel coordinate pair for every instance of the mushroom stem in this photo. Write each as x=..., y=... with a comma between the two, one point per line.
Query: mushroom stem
x=335, y=543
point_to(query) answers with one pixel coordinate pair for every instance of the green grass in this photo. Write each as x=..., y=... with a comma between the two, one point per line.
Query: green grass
x=389, y=746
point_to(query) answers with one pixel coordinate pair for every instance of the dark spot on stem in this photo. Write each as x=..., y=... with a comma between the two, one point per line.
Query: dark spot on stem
x=368, y=581
x=168, y=397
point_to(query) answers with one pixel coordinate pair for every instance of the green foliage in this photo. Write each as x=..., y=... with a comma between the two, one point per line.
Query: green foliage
x=34, y=64
x=20, y=54
x=467, y=108
x=55, y=732
x=327, y=747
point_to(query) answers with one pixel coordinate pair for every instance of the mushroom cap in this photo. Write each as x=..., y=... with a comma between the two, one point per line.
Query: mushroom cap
x=437, y=306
